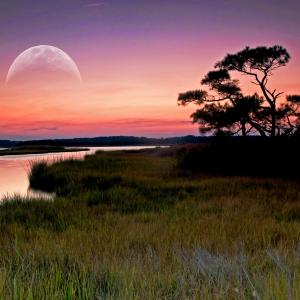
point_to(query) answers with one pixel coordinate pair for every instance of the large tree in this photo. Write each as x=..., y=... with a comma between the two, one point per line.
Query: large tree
x=226, y=109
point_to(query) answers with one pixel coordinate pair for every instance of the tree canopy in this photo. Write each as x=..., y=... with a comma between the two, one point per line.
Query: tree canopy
x=224, y=109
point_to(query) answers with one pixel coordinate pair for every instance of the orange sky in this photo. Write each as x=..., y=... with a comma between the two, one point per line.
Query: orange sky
x=133, y=73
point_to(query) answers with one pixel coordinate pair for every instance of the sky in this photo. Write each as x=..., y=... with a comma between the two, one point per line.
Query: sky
x=134, y=58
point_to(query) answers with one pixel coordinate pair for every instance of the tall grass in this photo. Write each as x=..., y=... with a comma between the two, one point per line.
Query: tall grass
x=126, y=225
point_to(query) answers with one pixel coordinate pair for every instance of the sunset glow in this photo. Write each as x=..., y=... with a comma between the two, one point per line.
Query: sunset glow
x=134, y=59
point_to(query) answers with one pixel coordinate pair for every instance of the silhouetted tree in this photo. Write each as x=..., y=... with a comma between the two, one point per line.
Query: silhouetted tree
x=260, y=63
x=228, y=110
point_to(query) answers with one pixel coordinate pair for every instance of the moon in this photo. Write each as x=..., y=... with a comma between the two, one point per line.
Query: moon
x=43, y=63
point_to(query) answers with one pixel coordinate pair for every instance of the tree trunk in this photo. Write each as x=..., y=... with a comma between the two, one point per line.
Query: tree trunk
x=244, y=132
x=273, y=120
x=272, y=103
x=257, y=127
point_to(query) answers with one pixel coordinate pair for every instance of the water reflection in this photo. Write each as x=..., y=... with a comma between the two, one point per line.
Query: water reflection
x=14, y=169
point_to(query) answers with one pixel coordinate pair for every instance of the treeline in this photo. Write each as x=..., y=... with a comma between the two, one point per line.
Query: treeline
x=7, y=143
x=110, y=141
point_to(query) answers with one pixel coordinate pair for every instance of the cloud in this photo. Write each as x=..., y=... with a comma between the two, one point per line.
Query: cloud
x=95, y=4
x=34, y=126
x=17, y=129
x=148, y=123
x=44, y=128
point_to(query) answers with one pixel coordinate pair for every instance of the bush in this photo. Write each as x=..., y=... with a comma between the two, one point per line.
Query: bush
x=253, y=157
x=39, y=177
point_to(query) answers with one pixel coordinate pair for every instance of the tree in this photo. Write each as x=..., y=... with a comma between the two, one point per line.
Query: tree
x=227, y=111
x=230, y=111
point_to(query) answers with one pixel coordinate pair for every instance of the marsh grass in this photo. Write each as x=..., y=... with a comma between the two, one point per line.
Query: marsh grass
x=126, y=225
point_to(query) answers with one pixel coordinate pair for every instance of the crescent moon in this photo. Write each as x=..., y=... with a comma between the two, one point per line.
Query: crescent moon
x=43, y=58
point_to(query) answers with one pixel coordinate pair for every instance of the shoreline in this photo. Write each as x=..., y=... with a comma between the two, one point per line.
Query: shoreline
x=9, y=152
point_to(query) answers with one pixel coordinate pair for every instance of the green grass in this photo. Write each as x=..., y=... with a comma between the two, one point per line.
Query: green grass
x=126, y=225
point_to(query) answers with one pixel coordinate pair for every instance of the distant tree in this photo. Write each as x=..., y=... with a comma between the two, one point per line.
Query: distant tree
x=228, y=111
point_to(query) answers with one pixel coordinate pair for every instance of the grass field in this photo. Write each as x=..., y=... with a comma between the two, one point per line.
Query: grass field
x=128, y=225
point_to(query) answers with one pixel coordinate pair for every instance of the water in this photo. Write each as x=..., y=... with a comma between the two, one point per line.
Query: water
x=14, y=169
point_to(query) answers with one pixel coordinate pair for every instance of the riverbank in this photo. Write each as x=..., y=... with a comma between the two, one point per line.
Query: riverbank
x=24, y=150
x=128, y=225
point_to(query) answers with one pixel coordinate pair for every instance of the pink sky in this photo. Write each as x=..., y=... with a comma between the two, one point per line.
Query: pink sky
x=132, y=72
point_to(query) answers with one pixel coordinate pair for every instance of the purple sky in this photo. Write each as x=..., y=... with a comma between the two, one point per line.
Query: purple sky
x=135, y=57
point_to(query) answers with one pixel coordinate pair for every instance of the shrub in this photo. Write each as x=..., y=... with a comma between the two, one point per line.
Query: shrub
x=253, y=157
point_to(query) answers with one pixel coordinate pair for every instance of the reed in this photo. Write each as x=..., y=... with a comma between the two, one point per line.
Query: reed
x=127, y=225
